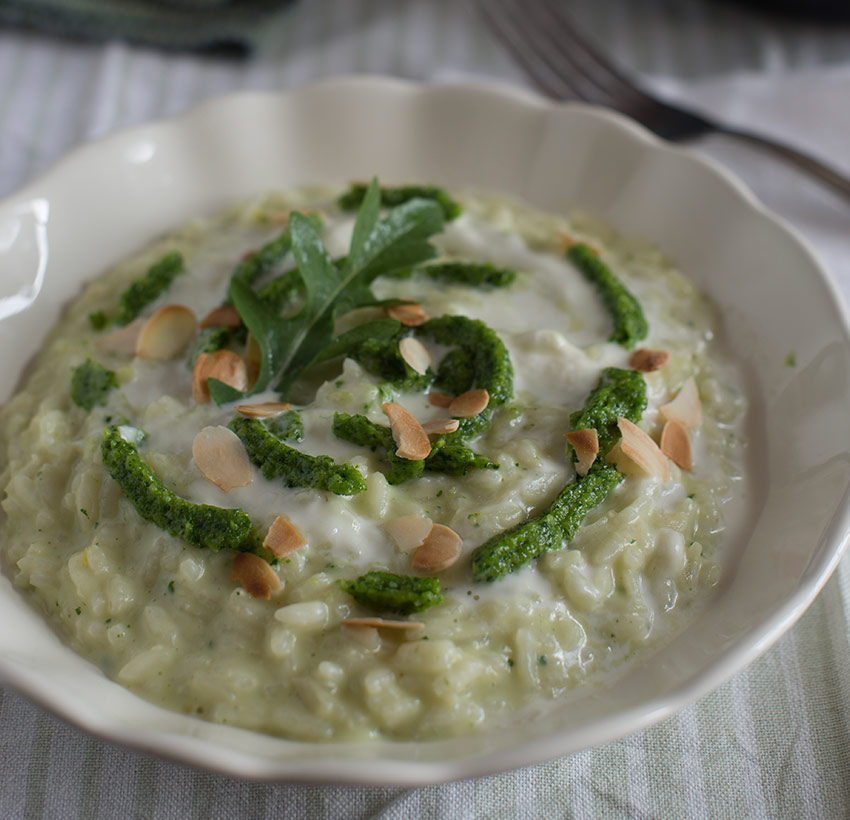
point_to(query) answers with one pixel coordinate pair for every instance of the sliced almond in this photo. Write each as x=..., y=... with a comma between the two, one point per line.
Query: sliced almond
x=279, y=217
x=685, y=407
x=676, y=445
x=263, y=410
x=255, y=575
x=382, y=623
x=165, y=334
x=409, y=531
x=440, y=427
x=282, y=538
x=469, y=404
x=645, y=360
x=642, y=450
x=439, y=551
x=221, y=458
x=411, y=440
x=224, y=365
x=223, y=316
x=283, y=217
x=586, y=445
x=567, y=241
x=123, y=340
x=440, y=399
x=409, y=315
x=415, y=354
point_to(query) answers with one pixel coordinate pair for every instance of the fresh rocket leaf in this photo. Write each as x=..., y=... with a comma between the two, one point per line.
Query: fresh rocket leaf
x=222, y=393
x=378, y=246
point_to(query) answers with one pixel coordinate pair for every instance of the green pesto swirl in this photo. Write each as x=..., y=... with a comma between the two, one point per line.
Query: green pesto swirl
x=278, y=460
x=397, y=594
x=619, y=393
x=201, y=525
x=630, y=325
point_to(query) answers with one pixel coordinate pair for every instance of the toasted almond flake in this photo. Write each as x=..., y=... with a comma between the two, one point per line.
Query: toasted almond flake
x=440, y=427
x=676, y=445
x=469, y=404
x=645, y=360
x=221, y=458
x=411, y=440
x=439, y=551
x=223, y=316
x=685, y=407
x=586, y=445
x=123, y=340
x=440, y=399
x=381, y=623
x=415, y=354
x=282, y=538
x=224, y=365
x=262, y=410
x=567, y=241
x=409, y=531
x=283, y=217
x=409, y=315
x=255, y=575
x=166, y=333
x=642, y=450
x=279, y=217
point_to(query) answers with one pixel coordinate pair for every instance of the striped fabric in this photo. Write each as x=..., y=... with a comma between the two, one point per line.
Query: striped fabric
x=771, y=743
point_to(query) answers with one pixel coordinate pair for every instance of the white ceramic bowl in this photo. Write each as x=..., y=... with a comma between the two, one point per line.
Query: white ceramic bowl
x=110, y=198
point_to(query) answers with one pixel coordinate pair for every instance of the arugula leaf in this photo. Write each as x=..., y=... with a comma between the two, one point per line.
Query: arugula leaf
x=222, y=393
x=378, y=246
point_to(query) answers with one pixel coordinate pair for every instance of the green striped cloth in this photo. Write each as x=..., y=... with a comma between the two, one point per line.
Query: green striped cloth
x=232, y=25
x=774, y=742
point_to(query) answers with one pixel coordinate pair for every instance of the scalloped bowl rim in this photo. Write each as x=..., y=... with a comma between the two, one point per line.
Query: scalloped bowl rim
x=189, y=744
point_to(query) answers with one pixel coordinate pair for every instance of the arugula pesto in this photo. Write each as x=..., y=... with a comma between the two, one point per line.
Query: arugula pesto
x=397, y=594
x=478, y=359
x=288, y=426
x=374, y=346
x=147, y=289
x=619, y=393
x=278, y=460
x=362, y=431
x=353, y=199
x=468, y=273
x=201, y=525
x=91, y=383
x=445, y=457
x=630, y=325
x=508, y=551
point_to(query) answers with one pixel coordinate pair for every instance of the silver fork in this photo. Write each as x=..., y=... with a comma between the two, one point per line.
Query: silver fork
x=564, y=65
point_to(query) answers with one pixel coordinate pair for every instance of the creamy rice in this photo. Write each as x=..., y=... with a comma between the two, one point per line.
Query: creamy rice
x=166, y=619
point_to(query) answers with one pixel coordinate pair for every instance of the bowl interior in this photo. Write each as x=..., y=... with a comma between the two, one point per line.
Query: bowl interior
x=773, y=297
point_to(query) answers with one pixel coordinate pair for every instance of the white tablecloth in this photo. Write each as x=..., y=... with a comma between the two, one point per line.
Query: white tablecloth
x=774, y=741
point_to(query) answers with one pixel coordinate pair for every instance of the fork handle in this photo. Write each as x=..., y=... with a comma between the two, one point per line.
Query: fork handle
x=839, y=183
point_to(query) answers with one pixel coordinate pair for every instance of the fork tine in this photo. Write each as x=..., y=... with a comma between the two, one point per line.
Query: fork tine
x=555, y=54
x=524, y=49
x=587, y=59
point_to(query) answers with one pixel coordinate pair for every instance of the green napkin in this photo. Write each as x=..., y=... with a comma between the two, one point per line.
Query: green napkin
x=230, y=26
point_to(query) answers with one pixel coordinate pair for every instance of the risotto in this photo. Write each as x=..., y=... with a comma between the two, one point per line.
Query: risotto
x=389, y=464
